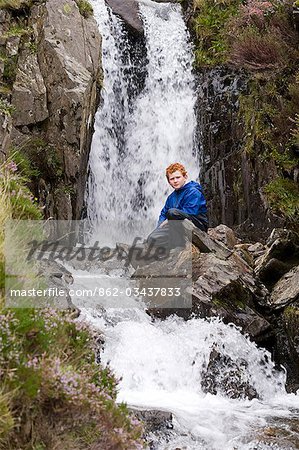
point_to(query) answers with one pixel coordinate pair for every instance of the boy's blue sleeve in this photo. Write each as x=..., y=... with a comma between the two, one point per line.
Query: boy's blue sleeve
x=194, y=203
x=163, y=213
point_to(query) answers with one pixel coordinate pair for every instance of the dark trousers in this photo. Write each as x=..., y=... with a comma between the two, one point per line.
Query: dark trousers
x=171, y=234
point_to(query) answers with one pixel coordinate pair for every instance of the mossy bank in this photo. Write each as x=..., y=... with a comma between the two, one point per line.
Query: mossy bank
x=246, y=58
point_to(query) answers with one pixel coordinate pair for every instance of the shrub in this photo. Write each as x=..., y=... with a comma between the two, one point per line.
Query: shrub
x=261, y=36
x=58, y=395
x=255, y=51
x=53, y=393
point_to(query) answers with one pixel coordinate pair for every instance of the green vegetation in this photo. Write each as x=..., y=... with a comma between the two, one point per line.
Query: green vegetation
x=53, y=394
x=255, y=35
x=6, y=108
x=85, y=8
x=14, y=4
x=17, y=30
x=43, y=157
x=260, y=37
x=10, y=70
x=16, y=194
x=283, y=197
x=209, y=24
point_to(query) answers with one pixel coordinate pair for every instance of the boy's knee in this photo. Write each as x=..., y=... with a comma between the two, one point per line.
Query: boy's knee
x=172, y=213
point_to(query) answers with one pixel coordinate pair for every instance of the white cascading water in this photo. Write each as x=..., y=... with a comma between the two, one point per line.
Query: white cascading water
x=134, y=143
x=162, y=363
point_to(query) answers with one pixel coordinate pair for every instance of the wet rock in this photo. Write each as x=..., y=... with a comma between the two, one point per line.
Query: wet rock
x=223, y=285
x=233, y=181
x=157, y=426
x=225, y=289
x=224, y=234
x=128, y=10
x=282, y=237
x=287, y=348
x=286, y=290
x=154, y=420
x=225, y=376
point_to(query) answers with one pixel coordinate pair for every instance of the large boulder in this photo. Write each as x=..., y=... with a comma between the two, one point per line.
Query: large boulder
x=223, y=285
x=227, y=288
x=286, y=290
x=55, y=75
x=69, y=61
x=128, y=10
x=29, y=95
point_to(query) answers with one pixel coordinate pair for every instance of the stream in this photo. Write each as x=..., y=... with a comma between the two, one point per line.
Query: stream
x=140, y=128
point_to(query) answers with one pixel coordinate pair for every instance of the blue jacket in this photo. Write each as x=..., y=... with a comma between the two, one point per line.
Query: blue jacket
x=188, y=199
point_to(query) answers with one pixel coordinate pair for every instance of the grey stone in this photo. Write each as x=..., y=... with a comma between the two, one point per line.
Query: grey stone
x=286, y=290
x=226, y=289
x=226, y=376
x=206, y=245
x=224, y=234
x=56, y=276
x=257, y=247
x=69, y=49
x=128, y=10
x=29, y=95
x=153, y=419
x=12, y=45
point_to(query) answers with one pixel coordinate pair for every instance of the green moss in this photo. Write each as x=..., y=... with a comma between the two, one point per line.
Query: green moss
x=283, y=197
x=85, y=8
x=267, y=111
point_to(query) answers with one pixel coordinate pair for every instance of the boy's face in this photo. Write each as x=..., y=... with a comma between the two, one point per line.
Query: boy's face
x=177, y=179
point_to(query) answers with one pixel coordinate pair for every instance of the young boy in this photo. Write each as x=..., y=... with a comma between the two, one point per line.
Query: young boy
x=185, y=202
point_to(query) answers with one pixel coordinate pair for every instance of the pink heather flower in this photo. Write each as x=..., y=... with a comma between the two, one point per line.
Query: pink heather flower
x=11, y=165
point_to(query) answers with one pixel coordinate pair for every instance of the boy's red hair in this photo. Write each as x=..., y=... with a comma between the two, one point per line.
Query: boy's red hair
x=174, y=167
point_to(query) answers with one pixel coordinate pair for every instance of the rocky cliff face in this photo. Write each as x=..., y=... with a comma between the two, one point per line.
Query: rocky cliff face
x=51, y=77
x=233, y=179
x=247, y=113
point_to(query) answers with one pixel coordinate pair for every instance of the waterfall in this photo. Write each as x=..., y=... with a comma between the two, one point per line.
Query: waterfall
x=140, y=129
x=138, y=135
